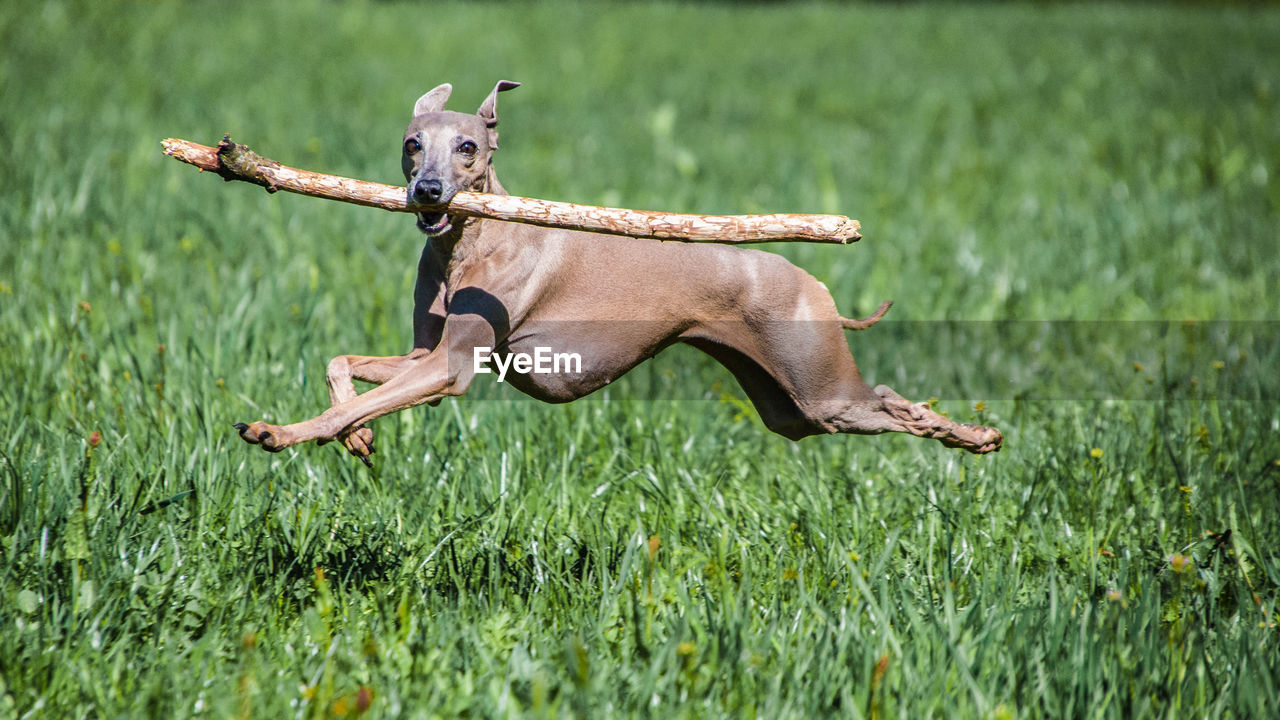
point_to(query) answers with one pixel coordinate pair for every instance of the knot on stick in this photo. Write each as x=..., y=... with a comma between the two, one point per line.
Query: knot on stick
x=238, y=162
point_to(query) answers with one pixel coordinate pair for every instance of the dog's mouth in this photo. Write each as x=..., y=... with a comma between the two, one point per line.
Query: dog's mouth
x=432, y=224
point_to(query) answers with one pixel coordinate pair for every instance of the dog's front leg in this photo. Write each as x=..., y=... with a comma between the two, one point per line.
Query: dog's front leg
x=422, y=378
x=428, y=325
x=377, y=370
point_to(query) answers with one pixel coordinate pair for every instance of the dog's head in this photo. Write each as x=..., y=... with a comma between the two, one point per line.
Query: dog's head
x=446, y=151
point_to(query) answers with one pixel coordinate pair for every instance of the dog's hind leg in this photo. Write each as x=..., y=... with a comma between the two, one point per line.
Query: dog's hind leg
x=833, y=396
x=798, y=374
x=803, y=381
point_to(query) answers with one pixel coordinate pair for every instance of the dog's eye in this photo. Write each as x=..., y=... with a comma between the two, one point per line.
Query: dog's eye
x=411, y=146
x=467, y=148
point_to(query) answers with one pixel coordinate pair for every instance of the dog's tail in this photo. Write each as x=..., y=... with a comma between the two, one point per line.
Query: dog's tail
x=868, y=321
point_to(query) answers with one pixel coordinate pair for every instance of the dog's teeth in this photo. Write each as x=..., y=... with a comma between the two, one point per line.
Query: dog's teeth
x=434, y=224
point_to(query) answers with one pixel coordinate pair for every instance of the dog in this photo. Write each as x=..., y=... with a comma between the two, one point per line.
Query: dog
x=488, y=288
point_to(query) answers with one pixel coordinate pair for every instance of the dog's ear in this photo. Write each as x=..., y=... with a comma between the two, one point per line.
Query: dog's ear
x=433, y=101
x=489, y=112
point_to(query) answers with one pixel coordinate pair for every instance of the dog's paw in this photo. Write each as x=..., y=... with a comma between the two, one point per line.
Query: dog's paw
x=359, y=442
x=267, y=437
x=977, y=439
x=994, y=441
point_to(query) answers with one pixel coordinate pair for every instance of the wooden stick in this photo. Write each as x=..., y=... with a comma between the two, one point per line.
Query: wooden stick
x=238, y=162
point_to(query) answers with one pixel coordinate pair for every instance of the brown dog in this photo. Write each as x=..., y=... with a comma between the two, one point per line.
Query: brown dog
x=529, y=294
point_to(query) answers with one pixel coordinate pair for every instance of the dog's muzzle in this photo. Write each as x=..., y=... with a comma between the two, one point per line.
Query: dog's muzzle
x=430, y=192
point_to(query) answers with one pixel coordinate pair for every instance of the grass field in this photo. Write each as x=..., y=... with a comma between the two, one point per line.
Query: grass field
x=1075, y=209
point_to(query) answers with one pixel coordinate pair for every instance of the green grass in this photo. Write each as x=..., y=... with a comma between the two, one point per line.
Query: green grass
x=1075, y=210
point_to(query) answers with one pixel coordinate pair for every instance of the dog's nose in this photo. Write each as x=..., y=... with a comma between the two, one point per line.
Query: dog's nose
x=427, y=192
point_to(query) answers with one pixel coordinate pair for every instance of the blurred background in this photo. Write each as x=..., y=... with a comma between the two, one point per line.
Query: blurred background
x=1071, y=206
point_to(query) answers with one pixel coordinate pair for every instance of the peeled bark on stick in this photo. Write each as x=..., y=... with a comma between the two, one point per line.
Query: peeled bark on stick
x=238, y=162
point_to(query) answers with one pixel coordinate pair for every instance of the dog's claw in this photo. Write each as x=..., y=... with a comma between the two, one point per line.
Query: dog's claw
x=240, y=427
x=367, y=462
